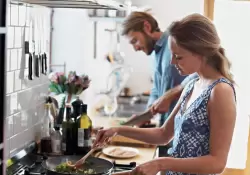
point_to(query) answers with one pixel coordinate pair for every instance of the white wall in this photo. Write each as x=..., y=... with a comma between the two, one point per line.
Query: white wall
x=167, y=11
x=73, y=41
x=24, y=98
x=233, y=29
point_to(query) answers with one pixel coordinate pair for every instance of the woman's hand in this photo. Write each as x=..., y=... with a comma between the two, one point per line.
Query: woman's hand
x=148, y=168
x=104, y=135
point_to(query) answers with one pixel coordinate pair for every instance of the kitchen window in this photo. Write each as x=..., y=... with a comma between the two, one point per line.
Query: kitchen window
x=232, y=20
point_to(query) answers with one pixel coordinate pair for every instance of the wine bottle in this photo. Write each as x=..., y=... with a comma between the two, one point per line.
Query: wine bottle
x=68, y=133
x=84, y=123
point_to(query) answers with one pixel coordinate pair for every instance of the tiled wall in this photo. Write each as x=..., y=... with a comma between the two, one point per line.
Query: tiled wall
x=24, y=98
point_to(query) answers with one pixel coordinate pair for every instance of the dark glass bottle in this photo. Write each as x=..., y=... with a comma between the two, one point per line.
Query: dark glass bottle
x=77, y=110
x=84, y=124
x=68, y=133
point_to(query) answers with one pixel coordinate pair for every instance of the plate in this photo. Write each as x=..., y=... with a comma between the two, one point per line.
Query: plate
x=120, y=152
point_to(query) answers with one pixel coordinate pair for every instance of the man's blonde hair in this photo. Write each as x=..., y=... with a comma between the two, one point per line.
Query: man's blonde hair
x=135, y=22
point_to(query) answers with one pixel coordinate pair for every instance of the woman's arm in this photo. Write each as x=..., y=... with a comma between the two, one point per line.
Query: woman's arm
x=158, y=136
x=222, y=116
x=155, y=136
x=162, y=104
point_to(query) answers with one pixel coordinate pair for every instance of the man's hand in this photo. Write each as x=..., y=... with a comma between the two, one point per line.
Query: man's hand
x=139, y=124
x=162, y=104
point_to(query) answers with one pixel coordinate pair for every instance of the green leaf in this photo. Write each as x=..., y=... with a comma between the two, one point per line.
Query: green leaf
x=53, y=88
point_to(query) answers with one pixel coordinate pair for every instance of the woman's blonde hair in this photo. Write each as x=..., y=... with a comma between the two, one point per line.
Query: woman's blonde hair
x=198, y=34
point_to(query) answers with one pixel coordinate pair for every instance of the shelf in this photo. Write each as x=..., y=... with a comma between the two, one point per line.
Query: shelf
x=84, y=4
x=116, y=19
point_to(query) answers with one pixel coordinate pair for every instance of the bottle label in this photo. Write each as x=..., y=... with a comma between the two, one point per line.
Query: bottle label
x=64, y=147
x=87, y=143
x=56, y=146
x=80, y=137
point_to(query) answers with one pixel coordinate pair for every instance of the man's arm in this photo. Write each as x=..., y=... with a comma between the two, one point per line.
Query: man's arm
x=163, y=103
x=153, y=94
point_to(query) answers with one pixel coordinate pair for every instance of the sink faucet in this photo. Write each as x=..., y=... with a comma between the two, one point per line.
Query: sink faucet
x=117, y=79
x=135, y=99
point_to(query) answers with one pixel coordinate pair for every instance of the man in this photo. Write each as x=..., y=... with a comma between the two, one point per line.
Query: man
x=143, y=33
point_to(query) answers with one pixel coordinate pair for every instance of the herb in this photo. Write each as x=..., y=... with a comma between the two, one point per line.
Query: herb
x=63, y=168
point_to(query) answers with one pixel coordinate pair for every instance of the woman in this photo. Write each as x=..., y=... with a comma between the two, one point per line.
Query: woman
x=202, y=123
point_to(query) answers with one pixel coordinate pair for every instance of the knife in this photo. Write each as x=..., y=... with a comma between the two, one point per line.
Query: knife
x=139, y=119
x=30, y=67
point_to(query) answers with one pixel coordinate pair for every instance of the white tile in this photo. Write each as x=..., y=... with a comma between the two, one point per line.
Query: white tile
x=18, y=127
x=16, y=142
x=22, y=15
x=26, y=120
x=25, y=82
x=18, y=82
x=10, y=37
x=28, y=135
x=19, y=59
x=14, y=15
x=25, y=100
x=9, y=128
x=28, y=16
x=10, y=82
x=13, y=59
x=7, y=105
x=6, y=149
x=18, y=37
x=13, y=103
x=8, y=55
x=27, y=34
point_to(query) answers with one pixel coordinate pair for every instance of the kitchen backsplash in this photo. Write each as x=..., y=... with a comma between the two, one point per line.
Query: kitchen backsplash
x=24, y=98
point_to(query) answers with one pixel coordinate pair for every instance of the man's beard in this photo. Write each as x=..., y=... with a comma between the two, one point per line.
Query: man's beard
x=149, y=44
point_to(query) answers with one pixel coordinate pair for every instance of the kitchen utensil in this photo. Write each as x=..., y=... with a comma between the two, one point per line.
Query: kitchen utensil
x=139, y=119
x=26, y=161
x=31, y=46
x=43, y=45
x=30, y=66
x=37, y=63
x=42, y=64
x=45, y=63
x=120, y=152
x=25, y=50
x=82, y=160
x=100, y=166
x=38, y=40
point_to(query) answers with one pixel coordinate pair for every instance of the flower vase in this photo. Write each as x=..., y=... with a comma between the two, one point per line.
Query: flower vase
x=70, y=98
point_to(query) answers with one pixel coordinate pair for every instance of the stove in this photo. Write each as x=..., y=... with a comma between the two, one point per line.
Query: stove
x=27, y=162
